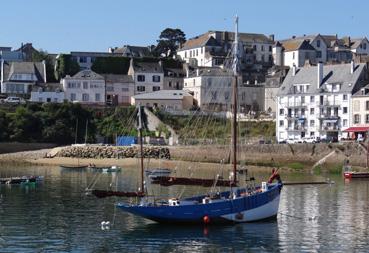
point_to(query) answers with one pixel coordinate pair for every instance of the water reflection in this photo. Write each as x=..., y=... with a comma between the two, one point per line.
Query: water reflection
x=58, y=216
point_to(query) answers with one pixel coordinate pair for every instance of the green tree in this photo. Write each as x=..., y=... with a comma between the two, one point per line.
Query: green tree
x=38, y=56
x=4, y=121
x=111, y=65
x=170, y=40
x=65, y=65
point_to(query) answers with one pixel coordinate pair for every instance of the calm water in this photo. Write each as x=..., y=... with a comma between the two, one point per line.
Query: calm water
x=57, y=216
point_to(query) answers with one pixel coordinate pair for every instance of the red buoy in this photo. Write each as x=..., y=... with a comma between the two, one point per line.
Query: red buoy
x=206, y=219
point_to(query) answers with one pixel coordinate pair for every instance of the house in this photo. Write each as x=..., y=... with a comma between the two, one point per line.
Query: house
x=18, y=78
x=48, y=93
x=147, y=76
x=359, y=114
x=298, y=50
x=85, y=60
x=360, y=46
x=165, y=99
x=7, y=54
x=27, y=50
x=173, y=78
x=86, y=87
x=119, y=89
x=132, y=51
x=212, y=90
x=211, y=49
x=273, y=81
x=315, y=101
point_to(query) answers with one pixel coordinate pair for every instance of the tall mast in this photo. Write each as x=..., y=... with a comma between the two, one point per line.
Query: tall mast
x=86, y=131
x=141, y=147
x=234, y=102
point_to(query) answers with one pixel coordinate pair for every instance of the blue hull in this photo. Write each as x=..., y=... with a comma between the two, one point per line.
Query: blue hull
x=224, y=209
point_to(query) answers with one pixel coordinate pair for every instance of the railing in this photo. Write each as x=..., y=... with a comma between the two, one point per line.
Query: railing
x=329, y=103
x=329, y=116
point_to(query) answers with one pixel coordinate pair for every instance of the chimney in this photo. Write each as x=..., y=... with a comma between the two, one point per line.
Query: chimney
x=197, y=72
x=44, y=65
x=352, y=67
x=293, y=70
x=111, y=50
x=271, y=37
x=320, y=74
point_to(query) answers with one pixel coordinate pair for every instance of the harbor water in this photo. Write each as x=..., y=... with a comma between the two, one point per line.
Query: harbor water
x=57, y=216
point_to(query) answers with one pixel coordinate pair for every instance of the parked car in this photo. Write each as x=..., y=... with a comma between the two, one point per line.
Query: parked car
x=360, y=138
x=14, y=100
x=294, y=141
x=309, y=140
x=329, y=139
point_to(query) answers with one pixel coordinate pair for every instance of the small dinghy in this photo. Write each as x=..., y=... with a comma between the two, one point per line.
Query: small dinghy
x=21, y=180
x=158, y=172
x=105, y=168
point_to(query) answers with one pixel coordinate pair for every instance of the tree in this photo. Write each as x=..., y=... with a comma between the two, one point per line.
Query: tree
x=38, y=56
x=169, y=41
x=66, y=66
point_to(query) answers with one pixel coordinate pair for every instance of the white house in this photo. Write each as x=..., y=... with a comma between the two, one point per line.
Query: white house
x=210, y=49
x=165, y=99
x=48, y=93
x=147, y=76
x=212, y=90
x=315, y=101
x=18, y=78
x=85, y=87
x=7, y=54
x=360, y=46
x=119, y=89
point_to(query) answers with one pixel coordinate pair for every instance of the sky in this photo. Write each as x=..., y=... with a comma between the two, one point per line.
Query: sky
x=61, y=26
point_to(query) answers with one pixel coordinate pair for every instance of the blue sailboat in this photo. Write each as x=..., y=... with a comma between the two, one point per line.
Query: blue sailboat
x=236, y=205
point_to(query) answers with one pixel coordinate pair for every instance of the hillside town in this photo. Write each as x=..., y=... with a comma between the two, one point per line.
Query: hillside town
x=315, y=87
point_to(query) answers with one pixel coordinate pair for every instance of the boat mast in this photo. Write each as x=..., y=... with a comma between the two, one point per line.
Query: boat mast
x=141, y=147
x=234, y=102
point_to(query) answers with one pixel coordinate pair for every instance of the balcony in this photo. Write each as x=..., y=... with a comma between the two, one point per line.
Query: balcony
x=296, y=128
x=329, y=116
x=330, y=128
x=327, y=103
x=296, y=105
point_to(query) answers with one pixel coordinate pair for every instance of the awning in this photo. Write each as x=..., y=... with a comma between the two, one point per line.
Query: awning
x=357, y=129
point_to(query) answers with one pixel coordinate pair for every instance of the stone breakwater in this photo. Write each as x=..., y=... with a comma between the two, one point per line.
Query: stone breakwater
x=101, y=152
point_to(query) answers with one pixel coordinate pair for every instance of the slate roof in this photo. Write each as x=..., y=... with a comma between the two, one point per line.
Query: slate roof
x=36, y=68
x=147, y=67
x=50, y=87
x=355, y=43
x=363, y=92
x=112, y=78
x=163, y=95
x=339, y=74
x=296, y=44
x=86, y=74
x=200, y=41
x=133, y=51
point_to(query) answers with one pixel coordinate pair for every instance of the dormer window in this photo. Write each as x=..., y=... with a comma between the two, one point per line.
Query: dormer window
x=318, y=43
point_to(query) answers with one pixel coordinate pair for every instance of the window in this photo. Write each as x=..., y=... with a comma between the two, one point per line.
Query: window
x=197, y=52
x=155, y=88
x=254, y=47
x=357, y=118
x=312, y=134
x=281, y=123
x=97, y=97
x=177, y=85
x=344, y=97
x=141, y=88
x=293, y=55
x=85, y=97
x=40, y=99
x=270, y=48
x=312, y=99
x=85, y=85
x=209, y=82
x=318, y=54
x=312, y=111
x=190, y=54
x=185, y=54
x=141, y=78
x=312, y=123
x=201, y=50
x=109, y=88
x=73, y=97
x=367, y=118
x=213, y=95
x=367, y=105
x=345, y=122
x=318, y=43
x=302, y=100
x=82, y=59
x=156, y=79
x=169, y=84
x=262, y=48
x=344, y=110
x=302, y=112
x=226, y=95
x=364, y=46
x=281, y=111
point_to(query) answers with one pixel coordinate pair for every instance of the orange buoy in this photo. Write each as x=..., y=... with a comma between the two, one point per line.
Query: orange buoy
x=206, y=219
